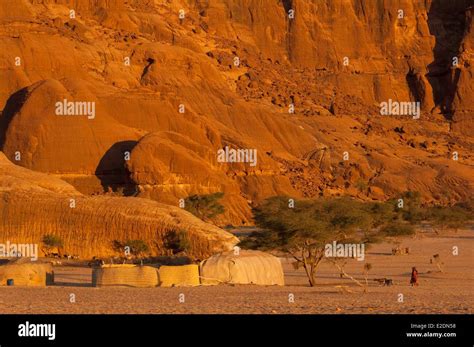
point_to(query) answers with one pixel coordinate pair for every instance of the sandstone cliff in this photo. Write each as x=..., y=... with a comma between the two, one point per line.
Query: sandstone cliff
x=335, y=61
x=36, y=204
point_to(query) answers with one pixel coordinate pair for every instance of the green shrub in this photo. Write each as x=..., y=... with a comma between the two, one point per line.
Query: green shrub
x=51, y=241
x=205, y=207
x=137, y=247
x=398, y=229
x=177, y=241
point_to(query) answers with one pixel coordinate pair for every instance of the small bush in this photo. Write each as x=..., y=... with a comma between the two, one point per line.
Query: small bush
x=137, y=247
x=51, y=241
x=398, y=229
x=449, y=217
x=205, y=207
x=177, y=241
x=361, y=186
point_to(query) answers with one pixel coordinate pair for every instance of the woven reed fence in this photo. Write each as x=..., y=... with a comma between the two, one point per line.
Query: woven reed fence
x=179, y=276
x=125, y=275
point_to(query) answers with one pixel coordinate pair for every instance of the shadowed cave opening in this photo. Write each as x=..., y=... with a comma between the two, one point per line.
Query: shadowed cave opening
x=447, y=23
x=112, y=170
x=288, y=5
x=13, y=105
x=414, y=86
x=150, y=62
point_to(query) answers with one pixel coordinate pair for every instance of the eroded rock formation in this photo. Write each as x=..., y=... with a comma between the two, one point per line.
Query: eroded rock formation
x=226, y=74
x=36, y=204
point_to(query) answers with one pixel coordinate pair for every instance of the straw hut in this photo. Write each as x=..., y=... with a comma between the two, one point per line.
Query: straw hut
x=28, y=274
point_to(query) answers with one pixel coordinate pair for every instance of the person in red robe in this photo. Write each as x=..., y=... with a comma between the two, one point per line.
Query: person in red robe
x=414, y=277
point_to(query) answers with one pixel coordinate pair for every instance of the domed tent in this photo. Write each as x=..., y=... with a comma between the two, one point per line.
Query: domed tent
x=244, y=267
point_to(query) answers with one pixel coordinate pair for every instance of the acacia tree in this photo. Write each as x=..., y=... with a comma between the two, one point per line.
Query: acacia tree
x=205, y=207
x=412, y=210
x=443, y=218
x=52, y=242
x=304, y=231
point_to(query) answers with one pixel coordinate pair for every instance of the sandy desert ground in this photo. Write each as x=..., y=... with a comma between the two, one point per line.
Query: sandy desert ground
x=448, y=292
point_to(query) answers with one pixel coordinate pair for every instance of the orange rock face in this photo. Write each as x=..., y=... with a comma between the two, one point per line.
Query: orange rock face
x=34, y=204
x=299, y=82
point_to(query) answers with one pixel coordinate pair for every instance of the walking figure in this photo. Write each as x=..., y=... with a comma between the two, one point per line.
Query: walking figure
x=414, y=277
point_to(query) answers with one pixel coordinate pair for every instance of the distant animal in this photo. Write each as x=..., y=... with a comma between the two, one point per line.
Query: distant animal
x=384, y=281
x=437, y=261
x=400, y=251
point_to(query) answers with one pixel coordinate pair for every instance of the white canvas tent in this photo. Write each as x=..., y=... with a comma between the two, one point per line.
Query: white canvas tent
x=245, y=267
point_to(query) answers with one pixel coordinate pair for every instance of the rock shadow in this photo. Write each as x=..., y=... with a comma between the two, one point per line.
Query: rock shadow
x=446, y=22
x=112, y=170
x=13, y=105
